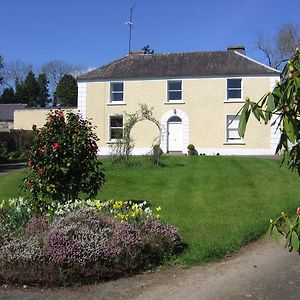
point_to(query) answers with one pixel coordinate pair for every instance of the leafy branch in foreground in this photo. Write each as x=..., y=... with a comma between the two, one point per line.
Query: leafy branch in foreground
x=280, y=107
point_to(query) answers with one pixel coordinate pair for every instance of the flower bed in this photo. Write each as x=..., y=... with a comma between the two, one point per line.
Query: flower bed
x=83, y=241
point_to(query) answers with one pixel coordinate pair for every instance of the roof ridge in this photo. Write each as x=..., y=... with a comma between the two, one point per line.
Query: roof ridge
x=257, y=62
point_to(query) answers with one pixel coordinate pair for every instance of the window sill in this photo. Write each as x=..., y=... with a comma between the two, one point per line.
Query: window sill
x=116, y=103
x=232, y=100
x=111, y=142
x=174, y=102
x=234, y=143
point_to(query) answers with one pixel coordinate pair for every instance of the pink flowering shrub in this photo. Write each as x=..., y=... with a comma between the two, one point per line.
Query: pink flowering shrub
x=82, y=246
x=63, y=161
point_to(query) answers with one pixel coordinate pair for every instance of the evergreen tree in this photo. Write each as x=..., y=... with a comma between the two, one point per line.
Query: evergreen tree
x=43, y=93
x=1, y=67
x=8, y=96
x=66, y=91
x=31, y=90
x=19, y=91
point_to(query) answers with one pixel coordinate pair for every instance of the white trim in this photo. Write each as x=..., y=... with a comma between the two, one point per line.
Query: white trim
x=257, y=62
x=167, y=90
x=240, y=141
x=164, y=129
x=241, y=99
x=236, y=151
x=207, y=151
x=81, y=100
x=110, y=140
x=136, y=151
x=110, y=92
x=174, y=102
x=221, y=77
x=274, y=132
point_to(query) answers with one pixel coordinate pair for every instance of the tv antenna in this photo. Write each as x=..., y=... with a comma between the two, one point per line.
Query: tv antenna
x=130, y=24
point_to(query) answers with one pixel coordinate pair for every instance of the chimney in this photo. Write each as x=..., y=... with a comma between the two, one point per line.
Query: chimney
x=240, y=49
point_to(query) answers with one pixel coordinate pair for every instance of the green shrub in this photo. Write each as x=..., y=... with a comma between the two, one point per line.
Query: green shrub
x=63, y=161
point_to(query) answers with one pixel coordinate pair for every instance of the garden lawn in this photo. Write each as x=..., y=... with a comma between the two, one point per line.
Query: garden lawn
x=217, y=203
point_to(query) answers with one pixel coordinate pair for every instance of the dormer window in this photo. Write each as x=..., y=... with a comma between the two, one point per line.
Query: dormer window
x=116, y=91
x=175, y=90
x=234, y=88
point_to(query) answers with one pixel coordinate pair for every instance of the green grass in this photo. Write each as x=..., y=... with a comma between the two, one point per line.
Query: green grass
x=218, y=203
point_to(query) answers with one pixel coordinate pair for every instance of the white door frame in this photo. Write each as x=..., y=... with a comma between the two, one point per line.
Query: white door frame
x=164, y=129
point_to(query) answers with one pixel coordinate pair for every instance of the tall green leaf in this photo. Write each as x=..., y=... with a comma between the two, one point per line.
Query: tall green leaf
x=244, y=119
x=289, y=128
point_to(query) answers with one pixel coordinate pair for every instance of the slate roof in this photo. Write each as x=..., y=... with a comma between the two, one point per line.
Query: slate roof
x=7, y=111
x=202, y=64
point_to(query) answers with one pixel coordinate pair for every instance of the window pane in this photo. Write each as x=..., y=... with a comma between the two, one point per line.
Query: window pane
x=116, y=133
x=117, y=87
x=234, y=83
x=233, y=134
x=174, y=85
x=116, y=121
x=174, y=95
x=117, y=97
x=234, y=94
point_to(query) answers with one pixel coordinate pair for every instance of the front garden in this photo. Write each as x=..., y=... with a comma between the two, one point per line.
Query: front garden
x=217, y=203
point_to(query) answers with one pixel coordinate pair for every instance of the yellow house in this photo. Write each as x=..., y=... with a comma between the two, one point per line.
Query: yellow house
x=195, y=96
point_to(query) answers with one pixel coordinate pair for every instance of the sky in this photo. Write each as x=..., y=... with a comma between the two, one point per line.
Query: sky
x=92, y=33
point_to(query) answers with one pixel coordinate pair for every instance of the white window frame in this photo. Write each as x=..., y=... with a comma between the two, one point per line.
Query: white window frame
x=181, y=91
x=229, y=118
x=241, y=89
x=111, y=93
x=110, y=139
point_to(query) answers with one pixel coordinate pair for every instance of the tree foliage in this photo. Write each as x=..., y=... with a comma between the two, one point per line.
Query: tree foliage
x=63, y=161
x=282, y=108
x=43, y=93
x=281, y=47
x=1, y=67
x=8, y=96
x=284, y=104
x=66, y=91
x=30, y=90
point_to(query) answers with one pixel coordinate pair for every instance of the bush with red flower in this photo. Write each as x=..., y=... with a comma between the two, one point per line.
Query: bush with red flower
x=63, y=161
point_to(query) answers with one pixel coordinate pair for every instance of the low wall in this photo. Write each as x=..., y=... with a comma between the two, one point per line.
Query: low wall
x=25, y=118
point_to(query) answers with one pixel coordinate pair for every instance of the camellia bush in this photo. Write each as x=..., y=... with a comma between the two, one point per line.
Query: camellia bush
x=281, y=107
x=63, y=161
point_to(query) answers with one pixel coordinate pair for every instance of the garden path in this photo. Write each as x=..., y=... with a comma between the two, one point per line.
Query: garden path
x=258, y=271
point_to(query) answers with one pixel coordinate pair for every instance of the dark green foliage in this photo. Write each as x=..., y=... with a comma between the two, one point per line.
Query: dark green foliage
x=283, y=103
x=43, y=93
x=8, y=96
x=1, y=67
x=63, y=160
x=30, y=90
x=19, y=92
x=66, y=91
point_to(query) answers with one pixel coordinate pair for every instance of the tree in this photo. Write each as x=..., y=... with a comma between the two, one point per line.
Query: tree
x=1, y=67
x=56, y=69
x=30, y=90
x=284, y=104
x=66, y=91
x=279, y=49
x=14, y=71
x=19, y=93
x=8, y=96
x=147, y=50
x=43, y=93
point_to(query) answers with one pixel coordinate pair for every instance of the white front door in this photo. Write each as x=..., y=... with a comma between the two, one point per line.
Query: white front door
x=174, y=136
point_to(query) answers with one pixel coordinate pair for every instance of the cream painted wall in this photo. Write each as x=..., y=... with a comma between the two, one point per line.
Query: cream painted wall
x=25, y=118
x=205, y=105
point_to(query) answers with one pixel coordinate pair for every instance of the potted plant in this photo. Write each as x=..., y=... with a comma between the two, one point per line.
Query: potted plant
x=191, y=149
